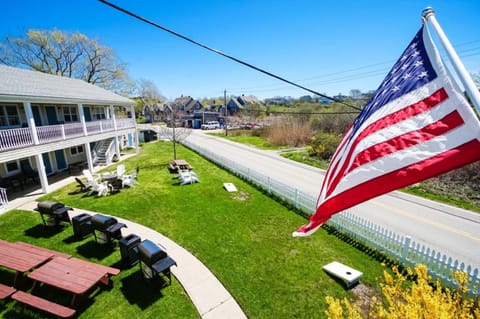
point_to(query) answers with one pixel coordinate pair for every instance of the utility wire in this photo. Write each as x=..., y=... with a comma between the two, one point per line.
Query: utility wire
x=224, y=54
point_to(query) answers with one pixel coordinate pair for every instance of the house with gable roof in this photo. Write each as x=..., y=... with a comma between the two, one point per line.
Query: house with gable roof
x=49, y=122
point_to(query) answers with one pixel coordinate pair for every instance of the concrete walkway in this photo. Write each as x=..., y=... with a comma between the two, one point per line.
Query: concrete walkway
x=207, y=293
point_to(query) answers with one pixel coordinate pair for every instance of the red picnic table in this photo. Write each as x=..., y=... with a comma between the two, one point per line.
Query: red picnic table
x=14, y=257
x=73, y=275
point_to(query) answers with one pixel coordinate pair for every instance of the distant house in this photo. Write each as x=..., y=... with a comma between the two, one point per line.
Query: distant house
x=238, y=103
x=152, y=113
x=186, y=104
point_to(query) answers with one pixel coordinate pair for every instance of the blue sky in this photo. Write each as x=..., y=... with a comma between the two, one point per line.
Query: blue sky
x=328, y=46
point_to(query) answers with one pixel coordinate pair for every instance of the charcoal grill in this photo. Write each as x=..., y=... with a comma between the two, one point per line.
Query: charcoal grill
x=155, y=261
x=53, y=213
x=129, y=249
x=82, y=225
x=106, y=228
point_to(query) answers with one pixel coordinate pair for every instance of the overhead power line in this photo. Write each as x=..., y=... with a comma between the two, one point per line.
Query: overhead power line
x=224, y=54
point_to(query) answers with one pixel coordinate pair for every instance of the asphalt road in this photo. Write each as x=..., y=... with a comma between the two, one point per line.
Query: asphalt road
x=452, y=231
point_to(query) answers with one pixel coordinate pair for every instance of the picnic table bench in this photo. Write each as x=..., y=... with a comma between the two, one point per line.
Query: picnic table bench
x=43, y=304
x=6, y=291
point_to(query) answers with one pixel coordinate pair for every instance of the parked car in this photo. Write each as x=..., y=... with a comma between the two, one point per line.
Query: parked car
x=247, y=125
x=210, y=125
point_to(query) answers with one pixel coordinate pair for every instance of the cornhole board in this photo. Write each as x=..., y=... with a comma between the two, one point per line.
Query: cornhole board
x=230, y=187
x=348, y=275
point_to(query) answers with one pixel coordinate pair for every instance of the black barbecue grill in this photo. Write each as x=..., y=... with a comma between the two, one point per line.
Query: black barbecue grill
x=54, y=212
x=129, y=249
x=155, y=261
x=82, y=225
x=107, y=227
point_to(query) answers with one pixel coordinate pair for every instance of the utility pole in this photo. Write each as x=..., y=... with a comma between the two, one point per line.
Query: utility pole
x=226, y=111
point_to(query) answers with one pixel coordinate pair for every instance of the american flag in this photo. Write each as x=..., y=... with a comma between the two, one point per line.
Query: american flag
x=417, y=125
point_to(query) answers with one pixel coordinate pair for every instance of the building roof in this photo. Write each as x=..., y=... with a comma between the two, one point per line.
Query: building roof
x=26, y=85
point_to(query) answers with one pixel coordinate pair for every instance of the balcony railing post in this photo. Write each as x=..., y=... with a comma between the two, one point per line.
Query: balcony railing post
x=63, y=132
x=81, y=114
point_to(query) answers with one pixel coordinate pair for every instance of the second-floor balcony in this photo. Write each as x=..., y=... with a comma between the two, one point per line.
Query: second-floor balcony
x=11, y=139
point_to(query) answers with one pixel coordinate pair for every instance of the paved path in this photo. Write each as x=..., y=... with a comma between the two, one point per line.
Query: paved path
x=207, y=293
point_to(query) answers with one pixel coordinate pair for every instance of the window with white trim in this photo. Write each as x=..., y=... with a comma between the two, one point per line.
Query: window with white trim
x=98, y=113
x=9, y=115
x=12, y=167
x=70, y=114
x=76, y=150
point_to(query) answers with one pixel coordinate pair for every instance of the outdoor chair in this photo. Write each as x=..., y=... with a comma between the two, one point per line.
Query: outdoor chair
x=131, y=179
x=101, y=188
x=81, y=185
x=28, y=171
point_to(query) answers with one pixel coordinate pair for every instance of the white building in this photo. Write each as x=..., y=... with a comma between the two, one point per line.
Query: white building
x=49, y=122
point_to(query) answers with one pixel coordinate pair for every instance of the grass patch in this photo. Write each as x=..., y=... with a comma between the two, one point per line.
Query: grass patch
x=244, y=238
x=250, y=140
x=302, y=156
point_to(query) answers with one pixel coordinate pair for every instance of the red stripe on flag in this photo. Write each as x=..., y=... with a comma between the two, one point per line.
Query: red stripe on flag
x=439, y=164
x=449, y=122
x=393, y=118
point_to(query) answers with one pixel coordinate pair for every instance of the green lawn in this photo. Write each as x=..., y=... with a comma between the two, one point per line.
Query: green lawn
x=244, y=238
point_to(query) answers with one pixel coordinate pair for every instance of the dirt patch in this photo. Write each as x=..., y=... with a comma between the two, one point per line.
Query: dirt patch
x=363, y=297
x=242, y=195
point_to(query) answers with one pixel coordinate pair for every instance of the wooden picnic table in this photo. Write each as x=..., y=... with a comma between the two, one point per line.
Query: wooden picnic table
x=73, y=275
x=15, y=258
x=181, y=164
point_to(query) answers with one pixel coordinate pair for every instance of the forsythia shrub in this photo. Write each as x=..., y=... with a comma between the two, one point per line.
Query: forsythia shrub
x=417, y=300
x=323, y=145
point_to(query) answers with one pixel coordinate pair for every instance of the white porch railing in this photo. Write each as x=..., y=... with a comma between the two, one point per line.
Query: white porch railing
x=3, y=198
x=400, y=248
x=20, y=137
x=15, y=138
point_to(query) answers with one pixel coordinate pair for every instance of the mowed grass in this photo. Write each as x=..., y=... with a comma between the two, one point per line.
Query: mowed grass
x=244, y=238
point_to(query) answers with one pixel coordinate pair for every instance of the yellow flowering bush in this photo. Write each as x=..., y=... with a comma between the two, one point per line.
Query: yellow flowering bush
x=419, y=299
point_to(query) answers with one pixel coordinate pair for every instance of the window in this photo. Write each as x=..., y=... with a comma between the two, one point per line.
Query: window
x=9, y=115
x=70, y=114
x=76, y=150
x=12, y=167
x=98, y=113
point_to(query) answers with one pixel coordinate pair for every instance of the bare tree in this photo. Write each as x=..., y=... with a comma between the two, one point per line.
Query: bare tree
x=73, y=55
x=176, y=132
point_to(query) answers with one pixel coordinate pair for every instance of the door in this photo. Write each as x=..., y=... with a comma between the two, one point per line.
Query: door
x=51, y=115
x=47, y=163
x=86, y=113
x=60, y=158
x=36, y=115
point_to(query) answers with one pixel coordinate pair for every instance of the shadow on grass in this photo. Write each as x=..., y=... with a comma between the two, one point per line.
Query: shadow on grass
x=140, y=291
x=91, y=249
x=41, y=231
x=372, y=252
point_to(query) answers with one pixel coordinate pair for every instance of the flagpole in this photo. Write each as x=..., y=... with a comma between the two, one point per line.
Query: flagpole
x=472, y=90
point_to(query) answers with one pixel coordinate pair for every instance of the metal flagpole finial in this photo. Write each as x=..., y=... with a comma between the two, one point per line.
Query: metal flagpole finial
x=427, y=12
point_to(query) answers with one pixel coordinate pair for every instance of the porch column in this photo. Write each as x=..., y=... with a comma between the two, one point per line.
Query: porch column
x=82, y=118
x=31, y=122
x=132, y=111
x=89, y=156
x=112, y=115
x=42, y=174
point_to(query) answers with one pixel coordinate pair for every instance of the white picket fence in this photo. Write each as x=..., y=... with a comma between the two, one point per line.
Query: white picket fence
x=404, y=249
x=401, y=248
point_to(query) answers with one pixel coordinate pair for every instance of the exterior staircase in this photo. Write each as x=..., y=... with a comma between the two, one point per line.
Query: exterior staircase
x=100, y=152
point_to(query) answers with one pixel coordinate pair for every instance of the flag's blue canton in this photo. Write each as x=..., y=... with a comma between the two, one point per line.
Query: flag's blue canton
x=411, y=71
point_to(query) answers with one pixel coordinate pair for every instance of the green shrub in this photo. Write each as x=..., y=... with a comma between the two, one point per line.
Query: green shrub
x=323, y=145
